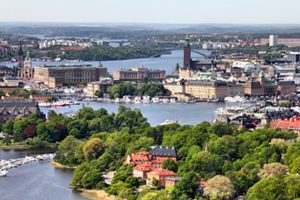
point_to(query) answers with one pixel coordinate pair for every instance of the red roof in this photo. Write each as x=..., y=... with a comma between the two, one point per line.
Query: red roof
x=163, y=172
x=144, y=167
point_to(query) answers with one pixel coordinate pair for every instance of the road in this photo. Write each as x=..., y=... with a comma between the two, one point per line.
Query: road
x=108, y=177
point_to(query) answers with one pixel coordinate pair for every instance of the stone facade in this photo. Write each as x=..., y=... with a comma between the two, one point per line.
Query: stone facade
x=11, y=108
x=139, y=73
x=41, y=97
x=27, y=72
x=99, y=85
x=55, y=76
x=6, y=89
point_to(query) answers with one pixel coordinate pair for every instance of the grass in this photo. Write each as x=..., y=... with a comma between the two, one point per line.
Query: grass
x=57, y=165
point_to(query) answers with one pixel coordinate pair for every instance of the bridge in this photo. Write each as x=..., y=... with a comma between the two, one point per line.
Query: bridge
x=161, y=51
x=120, y=42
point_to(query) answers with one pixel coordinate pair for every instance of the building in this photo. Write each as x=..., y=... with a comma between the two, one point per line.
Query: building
x=273, y=40
x=55, y=76
x=292, y=124
x=41, y=97
x=294, y=56
x=6, y=89
x=141, y=170
x=290, y=42
x=27, y=72
x=11, y=82
x=11, y=108
x=170, y=183
x=235, y=90
x=20, y=57
x=155, y=157
x=92, y=87
x=5, y=71
x=12, y=96
x=286, y=87
x=160, y=175
x=207, y=89
x=137, y=73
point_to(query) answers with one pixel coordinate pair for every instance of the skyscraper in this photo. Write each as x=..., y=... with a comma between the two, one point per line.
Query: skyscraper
x=273, y=39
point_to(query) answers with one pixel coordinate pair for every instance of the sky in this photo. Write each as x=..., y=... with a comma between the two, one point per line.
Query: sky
x=152, y=11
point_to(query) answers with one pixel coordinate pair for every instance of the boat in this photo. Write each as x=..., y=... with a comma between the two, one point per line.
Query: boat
x=173, y=100
x=45, y=105
x=88, y=99
x=212, y=100
x=3, y=173
x=190, y=101
x=146, y=99
x=137, y=100
x=165, y=100
x=170, y=122
x=155, y=100
x=59, y=104
x=117, y=100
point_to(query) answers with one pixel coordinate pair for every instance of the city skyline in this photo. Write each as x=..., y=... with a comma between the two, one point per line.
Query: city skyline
x=167, y=11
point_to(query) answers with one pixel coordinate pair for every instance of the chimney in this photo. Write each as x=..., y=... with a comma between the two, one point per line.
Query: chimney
x=128, y=159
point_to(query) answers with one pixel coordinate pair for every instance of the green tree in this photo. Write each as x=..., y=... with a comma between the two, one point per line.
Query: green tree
x=18, y=136
x=188, y=186
x=177, y=67
x=91, y=179
x=99, y=93
x=51, y=113
x=239, y=182
x=75, y=132
x=170, y=164
x=1, y=93
x=6, y=140
x=155, y=183
x=133, y=182
x=8, y=127
x=295, y=166
x=93, y=149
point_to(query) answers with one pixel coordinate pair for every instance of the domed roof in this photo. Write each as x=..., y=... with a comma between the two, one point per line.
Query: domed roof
x=261, y=74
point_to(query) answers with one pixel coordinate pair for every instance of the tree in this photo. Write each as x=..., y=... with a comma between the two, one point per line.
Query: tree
x=272, y=169
x=1, y=93
x=14, y=91
x=18, y=136
x=99, y=93
x=8, y=127
x=51, y=113
x=62, y=130
x=91, y=179
x=75, y=132
x=133, y=182
x=170, y=164
x=239, y=182
x=30, y=132
x=295, y=166
x=6, y=140
x=155, y=183
x=188, y=186
x=177, y=67
x=93, y=149
x=220, y=187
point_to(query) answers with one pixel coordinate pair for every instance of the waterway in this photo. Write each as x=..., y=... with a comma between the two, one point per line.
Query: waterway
x=39, y=181
x=166, y=62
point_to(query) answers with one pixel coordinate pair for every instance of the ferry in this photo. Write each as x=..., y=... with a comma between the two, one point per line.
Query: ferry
x=190, y=101
x=45, y=105
x=212, y=100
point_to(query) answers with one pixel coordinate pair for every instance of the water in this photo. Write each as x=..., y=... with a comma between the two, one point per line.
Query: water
x=156, y=113
x=39, y=180
x=166, y=62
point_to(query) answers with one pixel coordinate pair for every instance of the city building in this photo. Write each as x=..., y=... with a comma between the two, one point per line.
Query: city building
x=141, y=170
x=5, y=71
x=170, y=183
x=11, y=108
x=41, y=97
x=292, y=124
x=11, y=82
x=12, y=96
x=20, y=57
x=290, y=42
x=6, y=89
x=273, y=40
x=294, y=56
x=92, y=87
x=286, y=87
x=27, y=72
x=55, y=76
x=155, y=157
x=207, y=89
x=160, y=175
x=137, y=73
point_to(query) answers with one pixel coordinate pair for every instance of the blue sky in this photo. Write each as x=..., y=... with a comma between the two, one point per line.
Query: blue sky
x=153, y=11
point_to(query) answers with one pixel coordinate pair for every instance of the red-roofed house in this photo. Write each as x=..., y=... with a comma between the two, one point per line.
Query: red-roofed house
x=138, y=158
x=292, y=124
x=160, y=175
x=142, y=170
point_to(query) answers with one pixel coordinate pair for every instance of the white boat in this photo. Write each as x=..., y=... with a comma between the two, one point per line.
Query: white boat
x=137, y=100
x=170, y=122
x=212, y=100
x=155, y=100
x=191, y=100
x=88, y=99
x=173, y=100
x=117, y=100
x=165, y=100
x=3, y=173
x=146, y=99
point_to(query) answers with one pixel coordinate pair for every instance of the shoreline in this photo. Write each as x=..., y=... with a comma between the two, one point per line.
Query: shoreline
x=57, y=165
x=24, y=147
x=96, y=194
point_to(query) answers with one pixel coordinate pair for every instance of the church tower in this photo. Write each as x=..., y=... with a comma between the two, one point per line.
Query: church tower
x=187, y=54
x=20, y=57
x=27, y=60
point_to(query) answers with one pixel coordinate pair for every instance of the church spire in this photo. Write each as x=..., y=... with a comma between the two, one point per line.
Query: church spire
x=20, y=50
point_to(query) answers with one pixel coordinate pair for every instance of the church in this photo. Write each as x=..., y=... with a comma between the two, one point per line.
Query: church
x=27, y=71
